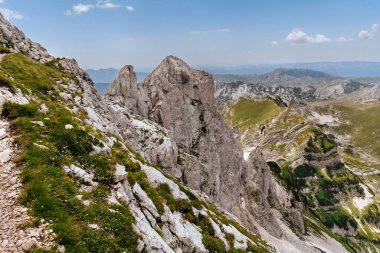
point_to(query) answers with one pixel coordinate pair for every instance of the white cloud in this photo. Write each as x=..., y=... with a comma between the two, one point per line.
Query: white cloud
x=343, y=39
x=2, y=1
x=365, y=34
x=206, y=32
x=130, y=8
x=68, y=13
x=10, y=14
x=375, y=27
x=298, y=36
x=274, y=43
x=82, y=8
x=107, y=4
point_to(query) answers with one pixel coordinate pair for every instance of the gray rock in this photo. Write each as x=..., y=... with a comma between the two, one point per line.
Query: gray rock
x=17, y=42
x=30, y=244
x=181, y=100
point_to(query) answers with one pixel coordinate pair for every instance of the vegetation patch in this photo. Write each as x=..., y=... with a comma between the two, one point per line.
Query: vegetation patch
x=247, y=113
x=29, y=75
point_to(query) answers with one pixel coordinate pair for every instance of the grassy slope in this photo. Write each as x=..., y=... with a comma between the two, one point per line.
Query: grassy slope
x=247, y=114
x=363, y=126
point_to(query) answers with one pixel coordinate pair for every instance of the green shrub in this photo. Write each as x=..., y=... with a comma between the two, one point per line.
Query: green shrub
x=76, y=142
x=288, y=177
x=372, y=214
x=13, y=110
x=305, y=170
x=324, y=197
x=7, y=83
x=4, y=49
x=213, y=245
x=339, y=218
x=324, y=193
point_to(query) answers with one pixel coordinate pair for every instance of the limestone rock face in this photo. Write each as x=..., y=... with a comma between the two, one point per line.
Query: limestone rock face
x=262, y=196
x=17, y=42
x=181, y=100
x=208, y=152
x=125, y=89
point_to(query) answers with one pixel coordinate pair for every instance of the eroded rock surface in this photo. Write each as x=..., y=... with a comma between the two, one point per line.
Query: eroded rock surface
x=209, y=156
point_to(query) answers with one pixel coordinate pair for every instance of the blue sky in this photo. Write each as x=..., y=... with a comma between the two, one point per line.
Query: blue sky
x=203, y=32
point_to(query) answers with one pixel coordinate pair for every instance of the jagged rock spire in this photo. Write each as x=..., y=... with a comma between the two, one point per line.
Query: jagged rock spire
x=124, y=83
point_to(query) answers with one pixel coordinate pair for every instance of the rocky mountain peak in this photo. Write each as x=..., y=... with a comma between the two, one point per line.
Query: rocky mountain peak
x=173, y=69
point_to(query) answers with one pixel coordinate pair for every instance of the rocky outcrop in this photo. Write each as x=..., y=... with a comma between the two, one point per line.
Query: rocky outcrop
x=209, y=157
x=261, y=195
x=15, y=40
x=181, y=99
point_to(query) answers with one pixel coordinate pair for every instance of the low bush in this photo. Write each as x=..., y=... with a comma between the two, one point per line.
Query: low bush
x=305, y=170
x=13, y=111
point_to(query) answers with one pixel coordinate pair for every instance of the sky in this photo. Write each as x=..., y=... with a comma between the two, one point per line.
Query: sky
x=112, y=33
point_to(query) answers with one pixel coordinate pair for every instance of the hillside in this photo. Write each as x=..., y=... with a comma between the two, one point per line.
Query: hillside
x=85, y=188
x=325, y=160
x=153, y=166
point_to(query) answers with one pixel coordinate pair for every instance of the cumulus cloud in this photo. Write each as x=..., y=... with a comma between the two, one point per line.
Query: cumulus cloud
x=368, y=34
x=130, y=8
x=10, y=14
x=107, y=4
x=82, y=8
x=101, y=4
x=274, y=43
x=206, y=32
x=297, y=36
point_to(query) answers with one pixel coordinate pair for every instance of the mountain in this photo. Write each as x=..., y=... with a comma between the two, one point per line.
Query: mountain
x=332, y=166
x=103, y=77
x=108, y=75
x=154, y=167
x=347, y=69
x=79, y=174
x=289, y=84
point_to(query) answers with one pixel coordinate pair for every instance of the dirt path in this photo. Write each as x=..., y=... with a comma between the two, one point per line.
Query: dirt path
x=15, y=236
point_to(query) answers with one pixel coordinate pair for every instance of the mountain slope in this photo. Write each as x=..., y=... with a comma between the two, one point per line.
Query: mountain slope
x=303, y=147
x=150, y=167
x=78, y=173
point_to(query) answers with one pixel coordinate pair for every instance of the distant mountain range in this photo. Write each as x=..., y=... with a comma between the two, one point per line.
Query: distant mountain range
x=363, y=72
x=102, y=78
x=347, y=69
x=295, y=84
x=108, y=75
